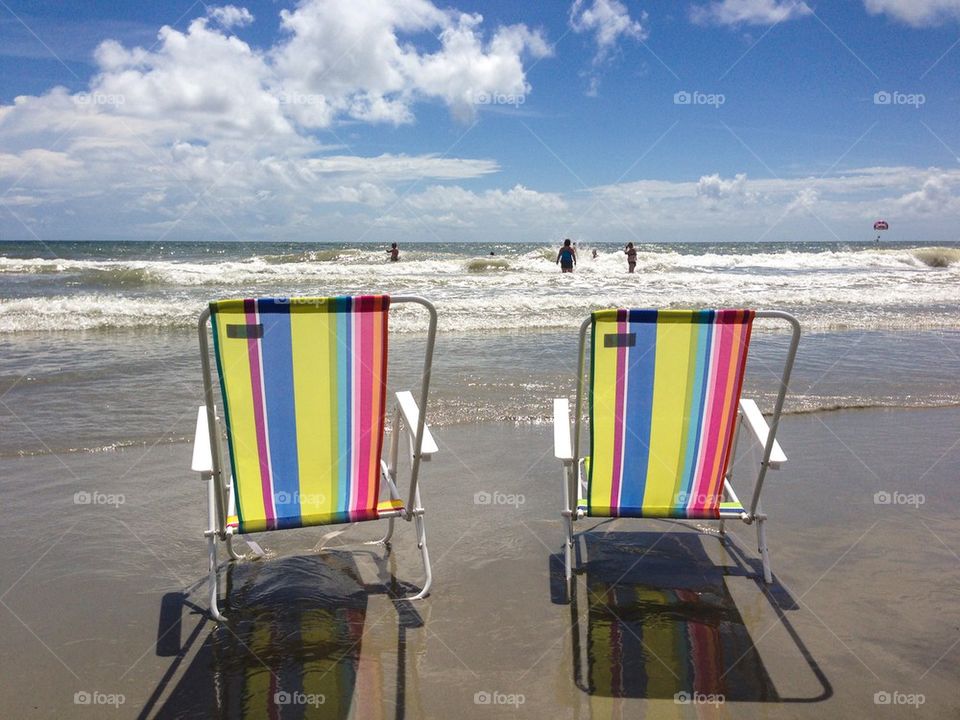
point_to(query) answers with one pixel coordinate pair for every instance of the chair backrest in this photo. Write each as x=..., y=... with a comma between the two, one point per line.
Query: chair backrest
x=304, y=395
x=664, y=391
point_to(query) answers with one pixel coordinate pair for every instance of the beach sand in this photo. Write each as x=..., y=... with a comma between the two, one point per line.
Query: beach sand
x=107, y=598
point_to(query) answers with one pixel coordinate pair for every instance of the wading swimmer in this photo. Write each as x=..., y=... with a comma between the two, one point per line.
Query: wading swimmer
x=567, y=257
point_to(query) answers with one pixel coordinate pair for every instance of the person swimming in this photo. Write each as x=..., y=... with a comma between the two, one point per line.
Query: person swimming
x=631, y=252
x=394, y=252
x=567, y=257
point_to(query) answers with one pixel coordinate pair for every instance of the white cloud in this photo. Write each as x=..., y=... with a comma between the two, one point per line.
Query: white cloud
x=748, y=12
x=916, y=12
x=935, y=197
x=230, y=16
x=714, y=187
x=204, y=133
x=355, y=59
x=838, y=205
x=608, y=20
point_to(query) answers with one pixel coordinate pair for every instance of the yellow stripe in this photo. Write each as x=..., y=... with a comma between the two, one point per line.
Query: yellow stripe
x=324, y=628
x=661, y=639
x=258, y=701
x=235, y=365
x=674, y=336
x=311, y=367
x=604, y=411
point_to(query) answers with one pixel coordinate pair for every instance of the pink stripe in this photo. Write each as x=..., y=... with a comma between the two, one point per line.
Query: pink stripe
x=720, y=365
x=256, y=382
x=618, y=417
x=363, y=411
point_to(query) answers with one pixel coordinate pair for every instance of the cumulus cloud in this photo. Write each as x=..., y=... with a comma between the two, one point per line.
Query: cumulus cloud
x=748, y=12
x=715, y=188
x=842, y=204
x=607, y=21
x=205, y=126
x=917, y=13
x=354, y=59
x=935, y=197
x=230, y=16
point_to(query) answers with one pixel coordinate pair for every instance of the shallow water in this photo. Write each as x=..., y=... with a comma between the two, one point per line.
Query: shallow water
x=99, y=391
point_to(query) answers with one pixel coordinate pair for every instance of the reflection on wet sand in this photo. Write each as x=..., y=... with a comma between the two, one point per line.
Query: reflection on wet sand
x=293, y=646
x=661, y=623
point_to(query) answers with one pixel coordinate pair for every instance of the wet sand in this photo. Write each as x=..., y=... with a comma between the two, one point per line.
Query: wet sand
x=104, y=601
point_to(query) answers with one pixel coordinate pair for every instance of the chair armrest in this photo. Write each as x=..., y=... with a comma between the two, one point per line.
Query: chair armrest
x=411, y=415
x=561, y=430
x=202, y=459
x=755, y=420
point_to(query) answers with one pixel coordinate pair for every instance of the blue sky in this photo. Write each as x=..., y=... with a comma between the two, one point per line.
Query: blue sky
x=369, y=120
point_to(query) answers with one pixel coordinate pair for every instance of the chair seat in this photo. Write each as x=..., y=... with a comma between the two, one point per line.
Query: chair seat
x=385, y=509
x=728, y=509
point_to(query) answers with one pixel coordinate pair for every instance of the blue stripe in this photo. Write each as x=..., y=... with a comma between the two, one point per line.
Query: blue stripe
x=704, y=320
x=344, y=394
x=641, y=362
x=277, y=352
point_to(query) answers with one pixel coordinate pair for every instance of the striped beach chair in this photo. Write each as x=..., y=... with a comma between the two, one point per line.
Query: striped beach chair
x=664, y=414
x=303, y=383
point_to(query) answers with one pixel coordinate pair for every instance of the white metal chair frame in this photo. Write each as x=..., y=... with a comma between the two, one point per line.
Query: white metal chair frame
x=208, y=454
x=575, y=481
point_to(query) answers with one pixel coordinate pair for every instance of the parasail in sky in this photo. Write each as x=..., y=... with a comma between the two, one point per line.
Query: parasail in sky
x=881, y=225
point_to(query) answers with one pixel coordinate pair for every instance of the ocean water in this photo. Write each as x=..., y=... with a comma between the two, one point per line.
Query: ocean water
x=98, y=346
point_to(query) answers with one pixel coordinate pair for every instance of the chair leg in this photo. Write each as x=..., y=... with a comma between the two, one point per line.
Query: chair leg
x=214, y=585
x=422, y=544
x=568, y=547
x=762, y=548
x=231, y=552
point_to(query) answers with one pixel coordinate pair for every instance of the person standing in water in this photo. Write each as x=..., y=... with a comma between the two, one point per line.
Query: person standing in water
x=567, y=257
x=631, y=252
x=394, y=252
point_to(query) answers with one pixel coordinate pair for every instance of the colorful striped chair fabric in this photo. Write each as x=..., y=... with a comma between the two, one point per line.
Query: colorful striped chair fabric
x=664, y=414
x=665, y=387
x=304, y=397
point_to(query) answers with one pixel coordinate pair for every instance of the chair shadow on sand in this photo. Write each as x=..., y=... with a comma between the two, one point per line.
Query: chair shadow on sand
x=662, y=623
x=291, y=647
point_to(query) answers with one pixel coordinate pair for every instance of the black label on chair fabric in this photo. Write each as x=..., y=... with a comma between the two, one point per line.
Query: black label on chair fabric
x=618, y=340
x=245, y=331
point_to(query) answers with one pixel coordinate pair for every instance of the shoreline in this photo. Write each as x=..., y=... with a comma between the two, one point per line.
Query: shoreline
x=133, y=444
